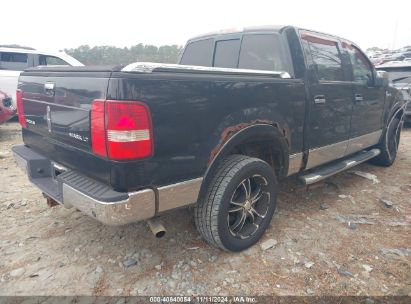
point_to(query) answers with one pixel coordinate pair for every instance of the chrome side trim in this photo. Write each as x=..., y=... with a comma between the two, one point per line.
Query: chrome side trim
x=139, y=206
x=294, y=163
x=178, y=195
x=340, y=166
x=149, y=67
x=322, y=155
x=362, y=142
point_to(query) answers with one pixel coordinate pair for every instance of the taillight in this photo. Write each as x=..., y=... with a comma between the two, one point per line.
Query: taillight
x=121, y=130
x=98, y=132
x=20, y=108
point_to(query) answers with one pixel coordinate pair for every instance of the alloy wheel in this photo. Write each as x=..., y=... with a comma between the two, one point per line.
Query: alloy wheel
x=249, y=205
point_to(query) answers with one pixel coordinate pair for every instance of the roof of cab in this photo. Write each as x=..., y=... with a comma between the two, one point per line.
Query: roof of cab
x=261, y=28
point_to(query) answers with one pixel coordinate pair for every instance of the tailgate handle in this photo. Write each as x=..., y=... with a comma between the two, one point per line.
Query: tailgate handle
x=359, y=97
x=319, y=99
x=49, y=88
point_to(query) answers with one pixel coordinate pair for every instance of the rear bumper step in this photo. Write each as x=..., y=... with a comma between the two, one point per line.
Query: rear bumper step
x=98, y=200
x=338, y=166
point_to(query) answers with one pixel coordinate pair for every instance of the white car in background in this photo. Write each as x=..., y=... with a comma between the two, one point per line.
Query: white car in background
x=399, y=73
x=15, y=60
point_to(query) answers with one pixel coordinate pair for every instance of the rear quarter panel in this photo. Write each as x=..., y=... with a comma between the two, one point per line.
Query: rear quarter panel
x=191, y=113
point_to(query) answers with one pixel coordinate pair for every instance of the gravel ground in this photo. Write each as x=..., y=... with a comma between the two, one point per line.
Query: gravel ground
x=334, y=238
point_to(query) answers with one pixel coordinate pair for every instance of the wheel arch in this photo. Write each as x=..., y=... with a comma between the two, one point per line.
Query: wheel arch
x=261, y=140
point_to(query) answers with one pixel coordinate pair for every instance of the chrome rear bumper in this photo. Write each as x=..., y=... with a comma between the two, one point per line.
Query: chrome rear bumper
x=140, y=205
x=97, y=200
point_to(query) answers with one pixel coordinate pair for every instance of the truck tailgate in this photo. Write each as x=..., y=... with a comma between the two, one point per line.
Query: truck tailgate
x=57, y=105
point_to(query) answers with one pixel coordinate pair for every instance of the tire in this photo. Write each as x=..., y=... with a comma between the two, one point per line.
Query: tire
x=389, y=144
x=238, y=204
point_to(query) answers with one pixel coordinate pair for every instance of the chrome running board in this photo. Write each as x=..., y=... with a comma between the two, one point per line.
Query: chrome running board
x=338, y=166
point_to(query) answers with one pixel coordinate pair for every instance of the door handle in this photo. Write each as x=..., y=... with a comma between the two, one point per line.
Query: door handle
x=319, y=99
x=359, y=97
x=49, y=88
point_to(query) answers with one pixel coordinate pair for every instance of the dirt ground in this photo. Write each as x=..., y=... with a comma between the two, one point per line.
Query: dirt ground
x=335, y=238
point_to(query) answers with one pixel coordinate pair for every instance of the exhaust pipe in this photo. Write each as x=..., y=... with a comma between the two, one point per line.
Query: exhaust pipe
x=156, y=227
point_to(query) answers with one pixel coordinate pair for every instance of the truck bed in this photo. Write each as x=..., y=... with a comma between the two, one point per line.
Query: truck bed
x=190, y=108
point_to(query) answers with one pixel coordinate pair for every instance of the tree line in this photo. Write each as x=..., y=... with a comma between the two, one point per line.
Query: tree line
x=109, y=55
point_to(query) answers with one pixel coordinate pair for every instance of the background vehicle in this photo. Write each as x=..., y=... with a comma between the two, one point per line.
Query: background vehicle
x=6, y=108
x=396, y=57
x=393, y=56
x=399, y=74
x=242, y=110
x=13, y=61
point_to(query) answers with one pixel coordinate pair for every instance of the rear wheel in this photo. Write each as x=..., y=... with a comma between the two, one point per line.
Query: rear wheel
x=238, y=204
x=389, y=144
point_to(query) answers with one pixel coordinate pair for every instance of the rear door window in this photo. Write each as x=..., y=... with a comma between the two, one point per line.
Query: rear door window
x=262, y=52
x=13, y=61
x=226, y=53
x=199, y=53
x=326, y=56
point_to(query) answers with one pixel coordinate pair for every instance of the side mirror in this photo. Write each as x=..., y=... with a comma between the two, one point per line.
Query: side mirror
x=381, y=79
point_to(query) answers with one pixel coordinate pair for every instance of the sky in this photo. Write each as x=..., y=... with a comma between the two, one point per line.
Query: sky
x=55, y=25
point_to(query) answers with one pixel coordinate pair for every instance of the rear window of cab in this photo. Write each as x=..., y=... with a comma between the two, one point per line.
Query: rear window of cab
x=253, y=51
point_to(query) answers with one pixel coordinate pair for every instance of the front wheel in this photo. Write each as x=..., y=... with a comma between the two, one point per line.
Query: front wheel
x=239, y=203
x=389, y=144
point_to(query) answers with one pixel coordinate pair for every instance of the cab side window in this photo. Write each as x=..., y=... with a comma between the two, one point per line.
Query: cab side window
x=226, y=53
x=361, y=67
x=199, y=53
x=326, y=57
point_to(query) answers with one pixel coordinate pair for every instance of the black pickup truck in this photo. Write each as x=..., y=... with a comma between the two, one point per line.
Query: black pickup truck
x=240, y=112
